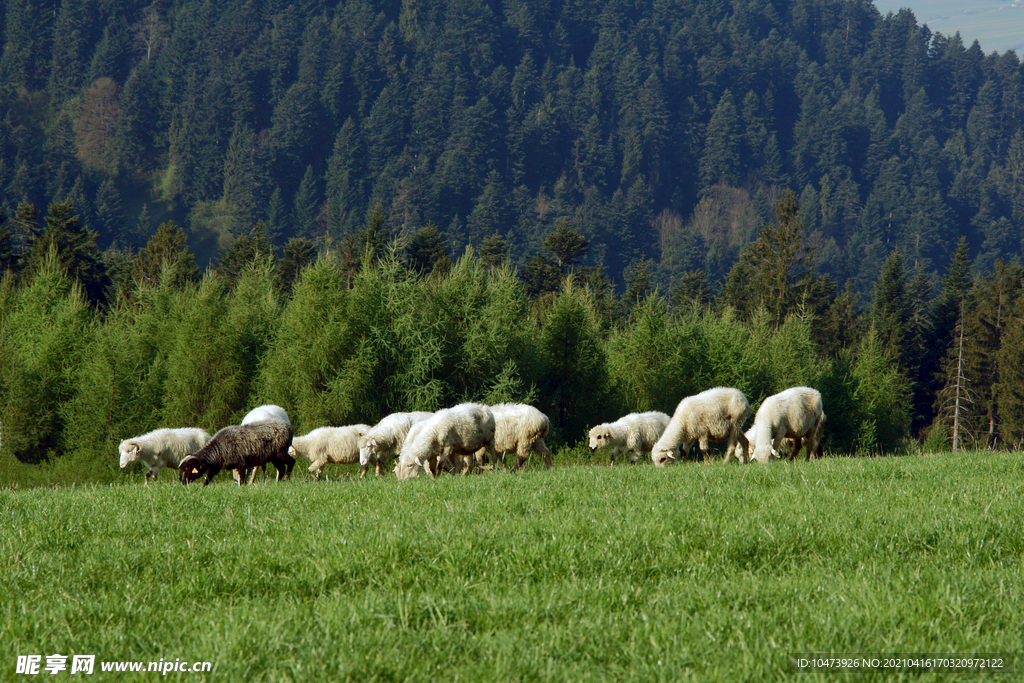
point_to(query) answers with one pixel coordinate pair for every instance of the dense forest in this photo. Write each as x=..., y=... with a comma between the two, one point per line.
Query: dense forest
x=596, y=207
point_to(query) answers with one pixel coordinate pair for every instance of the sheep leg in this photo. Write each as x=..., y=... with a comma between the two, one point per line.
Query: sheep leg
x=797, y=444
x=777, y=442
x=702, y=446
x=615, y=451
x=743, y=441
x=541, y=449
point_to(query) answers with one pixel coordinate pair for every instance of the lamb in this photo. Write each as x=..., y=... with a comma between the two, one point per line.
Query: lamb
x=329, y=445
x=385, y=439
x=714, y=415
x=162, y=448
x=635, y=433
x=241, y=448
x=462, y=430
x=519, y=428
x=796, y=414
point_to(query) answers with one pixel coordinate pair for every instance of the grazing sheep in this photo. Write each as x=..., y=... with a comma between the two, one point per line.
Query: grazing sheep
x=162, y=448
x=260, y=414
x=519, y=428
x=714, y=415
x=324, y=445
x=462, y=431
x=784, y=449
x=636, y=433
x=385, y=440
x=241, y=448
x=796, y=414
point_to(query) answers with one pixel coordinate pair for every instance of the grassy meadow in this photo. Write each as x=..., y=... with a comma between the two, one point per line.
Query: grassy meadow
x=583, y=573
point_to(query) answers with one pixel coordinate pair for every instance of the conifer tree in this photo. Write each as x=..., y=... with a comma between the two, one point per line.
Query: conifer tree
x=76, y=249
x=295, y=256
x=166, y=251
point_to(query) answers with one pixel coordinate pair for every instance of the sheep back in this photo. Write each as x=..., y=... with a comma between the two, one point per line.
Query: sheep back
x=520, y=429
x=461, y=430
x=266, y=412
x=795, y=413
x=713, y=415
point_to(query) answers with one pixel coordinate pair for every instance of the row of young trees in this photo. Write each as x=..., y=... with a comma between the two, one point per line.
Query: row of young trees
x=662, y=131
x=352, y=338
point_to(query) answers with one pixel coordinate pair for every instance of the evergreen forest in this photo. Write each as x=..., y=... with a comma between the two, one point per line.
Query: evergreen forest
x=350, y=209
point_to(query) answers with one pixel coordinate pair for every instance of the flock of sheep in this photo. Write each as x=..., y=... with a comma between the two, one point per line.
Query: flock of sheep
x=470, y=437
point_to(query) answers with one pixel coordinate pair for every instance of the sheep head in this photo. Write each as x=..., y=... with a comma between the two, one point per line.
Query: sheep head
x=190, y=469
x=664, y=456
x=599, y=436
x=129, y=452
x=367, y=449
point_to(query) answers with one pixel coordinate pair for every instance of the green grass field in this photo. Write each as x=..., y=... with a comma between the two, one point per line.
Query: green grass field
x=696, y=572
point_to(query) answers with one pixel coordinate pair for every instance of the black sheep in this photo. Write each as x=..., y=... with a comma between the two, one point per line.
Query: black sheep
x=241, y=448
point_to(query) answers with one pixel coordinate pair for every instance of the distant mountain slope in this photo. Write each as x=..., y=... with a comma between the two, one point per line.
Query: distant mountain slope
x=659, y=130
x=997, y=26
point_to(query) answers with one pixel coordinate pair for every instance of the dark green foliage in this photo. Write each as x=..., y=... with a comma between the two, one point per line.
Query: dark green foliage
x=296, y=255
x=167, y=257
x=576, y=377
x=567, y=246
x=427, y=250
x=44, y=332
x=75, y=247
x=775, y=272
x=246, y=249
x=691, y=290
x=493, y=250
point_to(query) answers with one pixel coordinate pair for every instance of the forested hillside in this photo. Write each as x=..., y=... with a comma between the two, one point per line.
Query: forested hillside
x=593, y=207
x=660, y=130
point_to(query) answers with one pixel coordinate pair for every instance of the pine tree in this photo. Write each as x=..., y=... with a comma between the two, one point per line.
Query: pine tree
x=494, y=251
x=306, y=205
x=956, y=396
x=295, y=256
x=109, y=214
x=42, y=338
x=245, y=250
x=76, y=249
x=427, y=250
x=575, y=365
x=889, y=311
x=1010, y=385
x=166, y=252
x=775, y=271
x=721, y=158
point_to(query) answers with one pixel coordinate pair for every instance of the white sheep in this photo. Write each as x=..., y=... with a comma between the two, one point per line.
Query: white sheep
x=459, y=431
x=519, y=429
x=714, y=415
x=266, y=412
x=635, y=433
x=385, y=439
x=162, y=448
x=338, y=445
x=784, y=449
x=796, y=414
